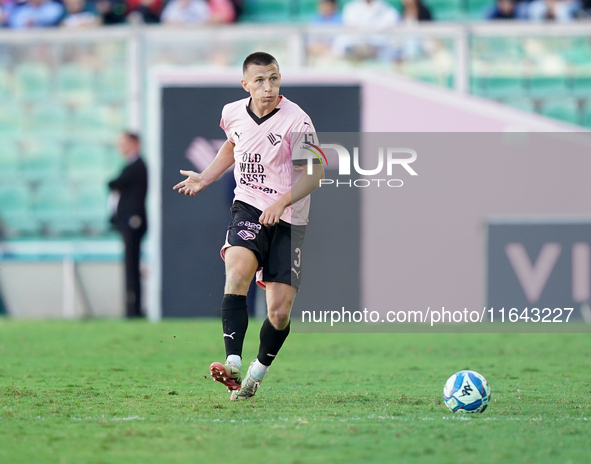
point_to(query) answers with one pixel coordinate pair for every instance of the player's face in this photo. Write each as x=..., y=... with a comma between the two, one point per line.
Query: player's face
x=262, y=82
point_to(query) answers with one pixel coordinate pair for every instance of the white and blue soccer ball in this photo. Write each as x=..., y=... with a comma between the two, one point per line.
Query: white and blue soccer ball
x=466, y=391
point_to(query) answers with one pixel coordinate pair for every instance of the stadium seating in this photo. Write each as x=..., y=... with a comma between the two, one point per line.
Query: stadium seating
x=300, y=11
x=97, y=122
x=86, y=162
x=546, y=86
x=566, y=110
x=586, y=119
x=6, y=90
x=115, y=162
x=42, y=159
x=75, y=83
x=16, y=216
x=577, y=51
x=499, y=51
x=55, y=208
x=9, y=159
x=581, y=86
x=477, y=9
x=446, y=10
x=267, y=11
x=503, y=86
x=34, y=81
x=308, y=8
x=11, y=119
x=91, y=208
x=112, y=85
x=426, y=72
x=521, y=103
x=48, y=119
x=478, y=85
x=543, y=72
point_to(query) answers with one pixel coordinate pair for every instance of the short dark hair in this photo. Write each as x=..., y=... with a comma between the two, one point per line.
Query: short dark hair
x=260, y=59
x=133, y=136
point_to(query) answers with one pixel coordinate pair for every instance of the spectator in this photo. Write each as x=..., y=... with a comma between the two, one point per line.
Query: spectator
x=238, y=9
x=320, y=46
x=78, y=15
x=415, y=10
x=371, y=15
x=554, y=10
x=186, y=12
x=144, y=11
x=112, y=11
x=503, y=10
x=374, y=14
x=222, y=12
x=6, y=7
x=328, y=13
x=129, y=216
x=36, y=13
x=508, y=9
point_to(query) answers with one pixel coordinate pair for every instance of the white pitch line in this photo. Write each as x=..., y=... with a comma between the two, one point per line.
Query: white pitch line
x=460, y=417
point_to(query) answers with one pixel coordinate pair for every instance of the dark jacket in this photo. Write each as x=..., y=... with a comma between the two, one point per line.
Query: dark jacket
x=132, y=185
x=424, y=13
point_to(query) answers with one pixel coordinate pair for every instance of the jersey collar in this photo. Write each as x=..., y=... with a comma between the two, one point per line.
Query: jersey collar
x=258, y=120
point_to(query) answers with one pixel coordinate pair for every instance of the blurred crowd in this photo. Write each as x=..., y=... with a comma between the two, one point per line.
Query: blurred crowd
x=540, y=10
x=378, y=13
x=21, y=14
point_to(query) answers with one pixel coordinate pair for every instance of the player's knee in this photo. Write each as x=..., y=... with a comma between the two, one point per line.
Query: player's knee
x=279, y=317
x=237, y=281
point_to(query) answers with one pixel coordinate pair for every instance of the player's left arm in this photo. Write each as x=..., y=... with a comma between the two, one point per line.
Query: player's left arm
x=304, y=187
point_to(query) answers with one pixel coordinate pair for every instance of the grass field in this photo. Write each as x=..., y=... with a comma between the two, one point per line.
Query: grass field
x=134, y=392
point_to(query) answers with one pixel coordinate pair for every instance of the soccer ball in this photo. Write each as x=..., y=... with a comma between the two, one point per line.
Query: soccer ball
x=466, y=391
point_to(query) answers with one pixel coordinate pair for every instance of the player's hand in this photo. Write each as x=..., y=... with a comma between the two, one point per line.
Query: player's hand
x=192, y=185
x=272, y=214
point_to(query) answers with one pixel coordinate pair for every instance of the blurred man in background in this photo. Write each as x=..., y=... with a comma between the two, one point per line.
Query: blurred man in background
x=554, y=10
x=371, y=14
x=414, y=11
x=6, y=8
x=186, y=12
x=36, y=13
x=144, y=11
x=112, y=11
x=505, y=10
x=129, y=216
x=328, y=13
x=79, y=14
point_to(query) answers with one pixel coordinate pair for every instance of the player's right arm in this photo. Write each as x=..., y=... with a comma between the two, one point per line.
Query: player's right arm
x=196, y=182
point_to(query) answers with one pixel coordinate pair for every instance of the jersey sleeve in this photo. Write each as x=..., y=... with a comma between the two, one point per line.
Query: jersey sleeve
x=226, y=125
x=304, y=142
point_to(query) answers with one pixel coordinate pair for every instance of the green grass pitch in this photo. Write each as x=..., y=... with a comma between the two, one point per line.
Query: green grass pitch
x=134, y=392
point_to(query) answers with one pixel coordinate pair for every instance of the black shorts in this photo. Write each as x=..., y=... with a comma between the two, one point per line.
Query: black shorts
x=278, y=248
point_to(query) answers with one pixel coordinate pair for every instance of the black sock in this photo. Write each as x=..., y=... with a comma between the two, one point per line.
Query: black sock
x=234, y=322
x=271, y=342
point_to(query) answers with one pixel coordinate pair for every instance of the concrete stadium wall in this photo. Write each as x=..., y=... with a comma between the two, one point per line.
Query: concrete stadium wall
x=36, y=289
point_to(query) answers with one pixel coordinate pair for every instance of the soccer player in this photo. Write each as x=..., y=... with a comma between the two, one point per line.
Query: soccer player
x=269, y=215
